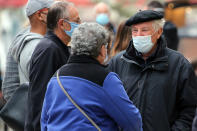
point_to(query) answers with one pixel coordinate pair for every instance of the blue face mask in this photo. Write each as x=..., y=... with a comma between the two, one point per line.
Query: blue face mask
x=102, y=19
x=73, y=26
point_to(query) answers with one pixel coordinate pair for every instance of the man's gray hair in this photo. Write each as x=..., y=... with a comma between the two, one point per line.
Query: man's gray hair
x=58, y=10
x=157, y=24
x=88, y=38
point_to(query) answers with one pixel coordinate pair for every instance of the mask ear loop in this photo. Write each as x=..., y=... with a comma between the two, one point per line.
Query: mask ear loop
x=65, y=19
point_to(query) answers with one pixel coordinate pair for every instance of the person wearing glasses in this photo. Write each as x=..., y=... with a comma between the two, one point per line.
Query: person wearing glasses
x=91, y=89
x=51, y=53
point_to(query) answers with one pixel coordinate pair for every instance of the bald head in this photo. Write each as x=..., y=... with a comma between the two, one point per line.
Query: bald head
x=101, y=8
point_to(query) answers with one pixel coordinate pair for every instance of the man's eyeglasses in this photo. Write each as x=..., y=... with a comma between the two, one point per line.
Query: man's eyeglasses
x=78, y=21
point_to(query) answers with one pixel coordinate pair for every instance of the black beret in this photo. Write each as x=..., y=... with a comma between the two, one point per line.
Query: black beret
x=144, y=16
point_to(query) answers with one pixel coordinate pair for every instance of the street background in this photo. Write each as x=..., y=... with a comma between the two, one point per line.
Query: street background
x=183, y=13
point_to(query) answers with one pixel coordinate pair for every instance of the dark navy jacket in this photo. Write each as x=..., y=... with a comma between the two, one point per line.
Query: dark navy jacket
x=50, y=54
x=98, y=92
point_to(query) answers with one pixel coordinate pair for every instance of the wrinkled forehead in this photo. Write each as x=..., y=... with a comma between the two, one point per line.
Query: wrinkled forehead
x=148, y=24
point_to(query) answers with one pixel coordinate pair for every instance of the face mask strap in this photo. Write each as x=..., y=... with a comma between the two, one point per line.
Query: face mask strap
x=73, y=25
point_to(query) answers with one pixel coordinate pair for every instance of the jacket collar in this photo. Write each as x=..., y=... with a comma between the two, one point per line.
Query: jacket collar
x=158, y=57
x=57, y=41
x=83, y=59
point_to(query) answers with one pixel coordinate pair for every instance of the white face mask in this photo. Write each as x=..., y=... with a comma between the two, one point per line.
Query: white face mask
x=143, y=44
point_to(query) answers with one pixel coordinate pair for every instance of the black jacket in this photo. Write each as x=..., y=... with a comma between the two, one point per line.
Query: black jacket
x=50, y=54
x=171, y=35
x=194, y=126
x=163, y=87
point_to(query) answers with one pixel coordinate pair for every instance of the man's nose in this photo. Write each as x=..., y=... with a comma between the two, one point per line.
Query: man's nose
x=139, y=33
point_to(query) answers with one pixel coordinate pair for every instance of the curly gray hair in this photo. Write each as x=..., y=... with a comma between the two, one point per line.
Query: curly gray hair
x=88, y=38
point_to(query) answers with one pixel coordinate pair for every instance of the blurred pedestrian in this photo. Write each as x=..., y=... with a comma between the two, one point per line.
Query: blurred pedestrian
x=20, y=51
x=122, y=39
x=102, y=17
x=169, y=30
x=159, y=81
x=51, y=53
x=102, y=14
x=194, y=65
x=99, y=93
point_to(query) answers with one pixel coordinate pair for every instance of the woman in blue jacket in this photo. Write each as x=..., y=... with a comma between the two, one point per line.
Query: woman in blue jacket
x=99, y=93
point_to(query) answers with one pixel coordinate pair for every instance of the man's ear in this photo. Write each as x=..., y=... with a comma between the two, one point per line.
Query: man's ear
x=160, y=31
x=39, y=16
x=60, y=24
x=63, y=25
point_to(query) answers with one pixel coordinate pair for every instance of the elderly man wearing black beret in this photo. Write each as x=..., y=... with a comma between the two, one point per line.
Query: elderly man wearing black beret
x=159, y=81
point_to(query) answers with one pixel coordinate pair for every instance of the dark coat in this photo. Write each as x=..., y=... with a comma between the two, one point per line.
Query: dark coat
x=50, y=54
x=163, y=87
x=194, y=126
x=98, y=92
x=171, y=34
